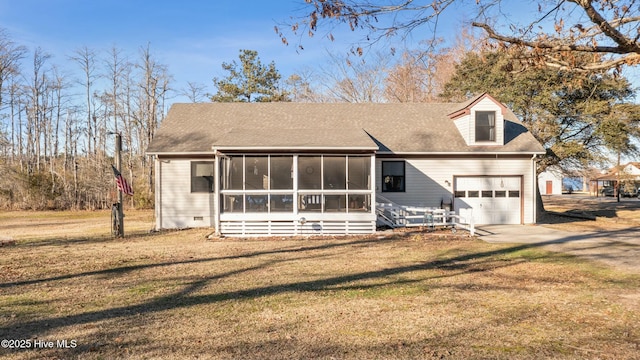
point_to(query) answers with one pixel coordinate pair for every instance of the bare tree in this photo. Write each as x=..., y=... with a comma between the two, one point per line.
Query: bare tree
x=301, y=88
x=344, y=80
x=608, y=29
x=195, y=92
x=86, y=59
x=154, y=85
x=10, y=56
x=36, y=110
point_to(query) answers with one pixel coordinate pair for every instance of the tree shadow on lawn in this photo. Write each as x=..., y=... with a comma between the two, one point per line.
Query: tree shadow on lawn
x=127, y=269
x=454, y=266
x=80, y=239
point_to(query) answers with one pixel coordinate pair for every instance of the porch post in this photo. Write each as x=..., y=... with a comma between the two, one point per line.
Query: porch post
x=216, y=193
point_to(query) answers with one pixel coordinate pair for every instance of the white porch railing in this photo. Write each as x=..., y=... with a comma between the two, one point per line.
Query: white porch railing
x=395, y=215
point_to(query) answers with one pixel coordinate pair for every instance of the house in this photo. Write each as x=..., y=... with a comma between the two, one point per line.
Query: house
x=628, y=175
x=312, y=168
x=550, y=181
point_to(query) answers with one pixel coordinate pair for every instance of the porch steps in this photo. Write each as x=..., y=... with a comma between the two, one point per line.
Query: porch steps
x=394, y=215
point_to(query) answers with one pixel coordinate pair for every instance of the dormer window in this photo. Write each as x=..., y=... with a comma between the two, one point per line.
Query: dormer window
x=485, y=126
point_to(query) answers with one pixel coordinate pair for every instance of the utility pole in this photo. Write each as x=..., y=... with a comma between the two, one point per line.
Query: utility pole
x=119, y=168
x=618, y=169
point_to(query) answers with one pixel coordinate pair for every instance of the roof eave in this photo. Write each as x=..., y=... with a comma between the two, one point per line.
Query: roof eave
x=180, y=153
x=295, y=148
x=461, y=152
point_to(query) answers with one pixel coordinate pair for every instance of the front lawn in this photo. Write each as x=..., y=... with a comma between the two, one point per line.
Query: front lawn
x=400, y=295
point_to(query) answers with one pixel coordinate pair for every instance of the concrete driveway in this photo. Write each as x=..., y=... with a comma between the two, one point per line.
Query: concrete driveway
x=617, y=248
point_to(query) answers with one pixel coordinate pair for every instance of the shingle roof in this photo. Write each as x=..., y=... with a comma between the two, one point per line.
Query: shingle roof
x=397, y=128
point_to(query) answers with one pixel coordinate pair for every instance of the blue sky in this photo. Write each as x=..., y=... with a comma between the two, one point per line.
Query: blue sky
x=191, y=37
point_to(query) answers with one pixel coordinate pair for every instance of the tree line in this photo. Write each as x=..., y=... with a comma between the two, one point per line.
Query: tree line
x=56, y=129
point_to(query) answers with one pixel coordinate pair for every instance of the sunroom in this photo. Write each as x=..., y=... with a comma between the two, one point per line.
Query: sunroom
x=295, y=193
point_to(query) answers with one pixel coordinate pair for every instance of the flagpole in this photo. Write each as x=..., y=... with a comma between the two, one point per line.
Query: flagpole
x=120, y=203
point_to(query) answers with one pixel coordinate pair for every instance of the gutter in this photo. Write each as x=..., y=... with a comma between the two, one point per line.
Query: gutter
x=292, y=148
x=534, y=153
x=162, y=153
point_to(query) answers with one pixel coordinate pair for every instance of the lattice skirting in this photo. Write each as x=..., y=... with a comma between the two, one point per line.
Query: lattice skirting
x=292, y=228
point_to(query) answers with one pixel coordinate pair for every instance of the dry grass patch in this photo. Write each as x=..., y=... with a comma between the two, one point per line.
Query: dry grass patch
x=610, y=214
x=175, y=295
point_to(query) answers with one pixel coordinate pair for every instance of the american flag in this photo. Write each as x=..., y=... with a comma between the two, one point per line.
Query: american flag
x=121, y=182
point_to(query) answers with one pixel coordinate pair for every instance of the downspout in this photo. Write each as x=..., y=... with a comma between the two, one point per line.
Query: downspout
x=372, y=184
x=534, y=179
x=158, y=197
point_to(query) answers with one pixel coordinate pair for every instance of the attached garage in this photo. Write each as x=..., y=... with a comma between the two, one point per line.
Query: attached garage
x=492, y=199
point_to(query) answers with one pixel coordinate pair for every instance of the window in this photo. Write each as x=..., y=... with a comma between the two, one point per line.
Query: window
x=487, y=193
x=393, y=176
x=460, y=193
x=485, y=126
x=202, y=176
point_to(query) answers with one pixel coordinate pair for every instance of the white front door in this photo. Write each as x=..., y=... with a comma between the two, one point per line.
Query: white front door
x=492, y=199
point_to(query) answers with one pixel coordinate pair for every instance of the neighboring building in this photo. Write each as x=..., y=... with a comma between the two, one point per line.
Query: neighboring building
x=628, y=175
x=550, y=181
x=312, y=168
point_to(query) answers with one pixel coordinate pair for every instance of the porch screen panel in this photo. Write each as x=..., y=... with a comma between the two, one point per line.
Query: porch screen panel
x=310, y=172
x=233, y=203
x=310, y=202
x=256, y=203
x=334, y=173
x=335, y=203
x=282, y=172
x=359, y=173
x=281, y=203
x=256, y=173
x=231, y=173
x=359, y=202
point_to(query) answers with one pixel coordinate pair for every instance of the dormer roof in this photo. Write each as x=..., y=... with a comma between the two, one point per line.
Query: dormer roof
x=465, y=107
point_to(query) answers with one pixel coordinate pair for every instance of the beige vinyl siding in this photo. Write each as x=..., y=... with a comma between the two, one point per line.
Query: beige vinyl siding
x=179, y=208
x=463, y=127
x=430, y=181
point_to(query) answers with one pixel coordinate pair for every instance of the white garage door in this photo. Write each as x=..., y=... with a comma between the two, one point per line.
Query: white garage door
x=493, y=200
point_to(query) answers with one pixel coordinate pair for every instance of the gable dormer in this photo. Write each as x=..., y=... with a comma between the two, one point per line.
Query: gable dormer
x=481, y=121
